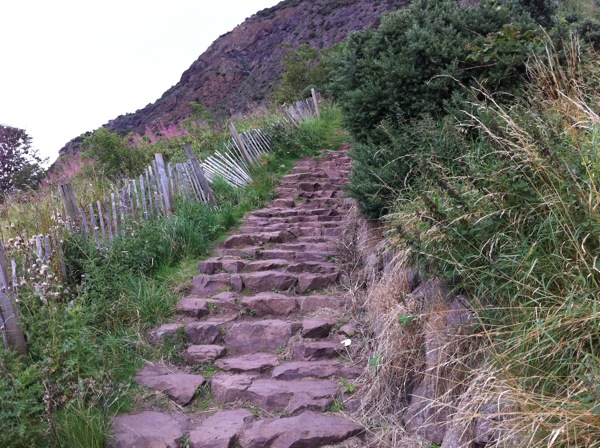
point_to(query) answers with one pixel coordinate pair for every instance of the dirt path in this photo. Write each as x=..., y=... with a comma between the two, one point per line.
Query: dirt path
x=266, y=313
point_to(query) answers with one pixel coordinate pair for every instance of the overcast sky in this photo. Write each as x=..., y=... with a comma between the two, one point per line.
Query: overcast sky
x=69, y=66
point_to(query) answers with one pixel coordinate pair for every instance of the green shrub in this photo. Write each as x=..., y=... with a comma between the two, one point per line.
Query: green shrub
x=417, y=58
x=513, y=222
x=113, y=157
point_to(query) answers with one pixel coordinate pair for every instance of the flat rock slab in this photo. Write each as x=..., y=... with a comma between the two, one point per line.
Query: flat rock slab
x=178, y=385
x=268, y=281
x=149, y=429
x=192, y=307
x=317, y=328
x=252, y=337
x=307, y=430
x=317, y=350
x=221, y=429
x=201, y=354
x=307, y=369
x=229, y=387
x=269, y=304
x=311, y=282
x=254, y=362
x=208, y=285
x=164, y=332
x=271, y=394
x=251, y=239
x=310, y=304
x=202, y=332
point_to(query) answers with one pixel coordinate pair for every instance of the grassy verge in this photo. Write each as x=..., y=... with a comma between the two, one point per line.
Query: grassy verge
x=505, y=208
x=85, y=347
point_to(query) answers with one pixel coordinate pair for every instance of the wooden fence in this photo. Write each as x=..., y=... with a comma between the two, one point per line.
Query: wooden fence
x=38, y=261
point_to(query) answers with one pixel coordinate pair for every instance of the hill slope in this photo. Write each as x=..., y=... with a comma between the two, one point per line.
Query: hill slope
x=240, y=68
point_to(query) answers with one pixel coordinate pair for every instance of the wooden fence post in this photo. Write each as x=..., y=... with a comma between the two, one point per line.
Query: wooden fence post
x=70, y=202
x=316, y=102
x=165, y=185
x=240, y=144
x=199, y=174
x=10, y=316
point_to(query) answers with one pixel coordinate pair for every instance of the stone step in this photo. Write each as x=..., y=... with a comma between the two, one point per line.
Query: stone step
x=292, y=396
x=259, y=336
x=203, y=354
x=221, y=430
x=275, y=280
x=261, y=238
x=307, y=369
x=250, y=363
x=310, y=351
x=148, y=429
x=252, y=253
x=296, y=230
x=269, y=304
x=290, y=213
x=240, y=265
x=178, y=385
x=309, y=429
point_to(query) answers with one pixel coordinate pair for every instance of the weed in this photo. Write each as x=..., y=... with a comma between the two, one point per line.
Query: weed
x=346, y=386
x=336, y=406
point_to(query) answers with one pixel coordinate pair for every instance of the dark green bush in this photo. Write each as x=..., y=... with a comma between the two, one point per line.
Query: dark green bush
x=418, y=62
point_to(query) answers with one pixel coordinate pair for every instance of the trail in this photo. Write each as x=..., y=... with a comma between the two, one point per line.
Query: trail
x=266, y=313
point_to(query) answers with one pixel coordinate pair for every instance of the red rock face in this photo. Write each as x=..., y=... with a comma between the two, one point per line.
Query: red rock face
x=241, y=67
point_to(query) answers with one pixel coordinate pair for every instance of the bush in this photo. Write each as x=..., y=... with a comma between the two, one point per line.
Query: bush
x=417, y=58
x=513, y=222
x=113, y=157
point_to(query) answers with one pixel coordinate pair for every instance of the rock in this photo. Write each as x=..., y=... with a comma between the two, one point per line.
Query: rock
x=271, y=395
x=251, y=239
x=254, y=362
x=149, y=429
x=252, y=337
x=164, y=332
x=268, y=281
x=269, y=304
x=311, y=282
x=322, y=255
x=313, y=267
x=266, y=265
x=236, y=282
x=210, y=266
x=221, y=429
x=316, y=328
x=310, y=304
x=208, y=285
x=430, y=293
x=317, y=350
x=202, y=332
x=306, y=369
x=307, y=430
x=196, y=308
x=228, y=387
x=200, y=354
x=347, y=330
x=178, y=385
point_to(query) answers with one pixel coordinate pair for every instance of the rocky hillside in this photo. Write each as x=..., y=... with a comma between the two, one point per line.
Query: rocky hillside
x=241, y=67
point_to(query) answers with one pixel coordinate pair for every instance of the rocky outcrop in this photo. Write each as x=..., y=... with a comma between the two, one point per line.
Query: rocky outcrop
x=239, y=70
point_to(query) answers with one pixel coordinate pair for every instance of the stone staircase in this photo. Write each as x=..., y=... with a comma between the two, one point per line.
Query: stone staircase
x=263, y=312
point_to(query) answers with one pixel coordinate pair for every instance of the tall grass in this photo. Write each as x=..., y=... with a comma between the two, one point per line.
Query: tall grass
x=506, y=209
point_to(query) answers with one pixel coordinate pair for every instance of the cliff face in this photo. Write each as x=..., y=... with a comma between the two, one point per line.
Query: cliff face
x=241, y=67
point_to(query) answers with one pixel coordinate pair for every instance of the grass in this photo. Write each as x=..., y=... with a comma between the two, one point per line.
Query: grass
x=505, y=209
x=85, y=347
